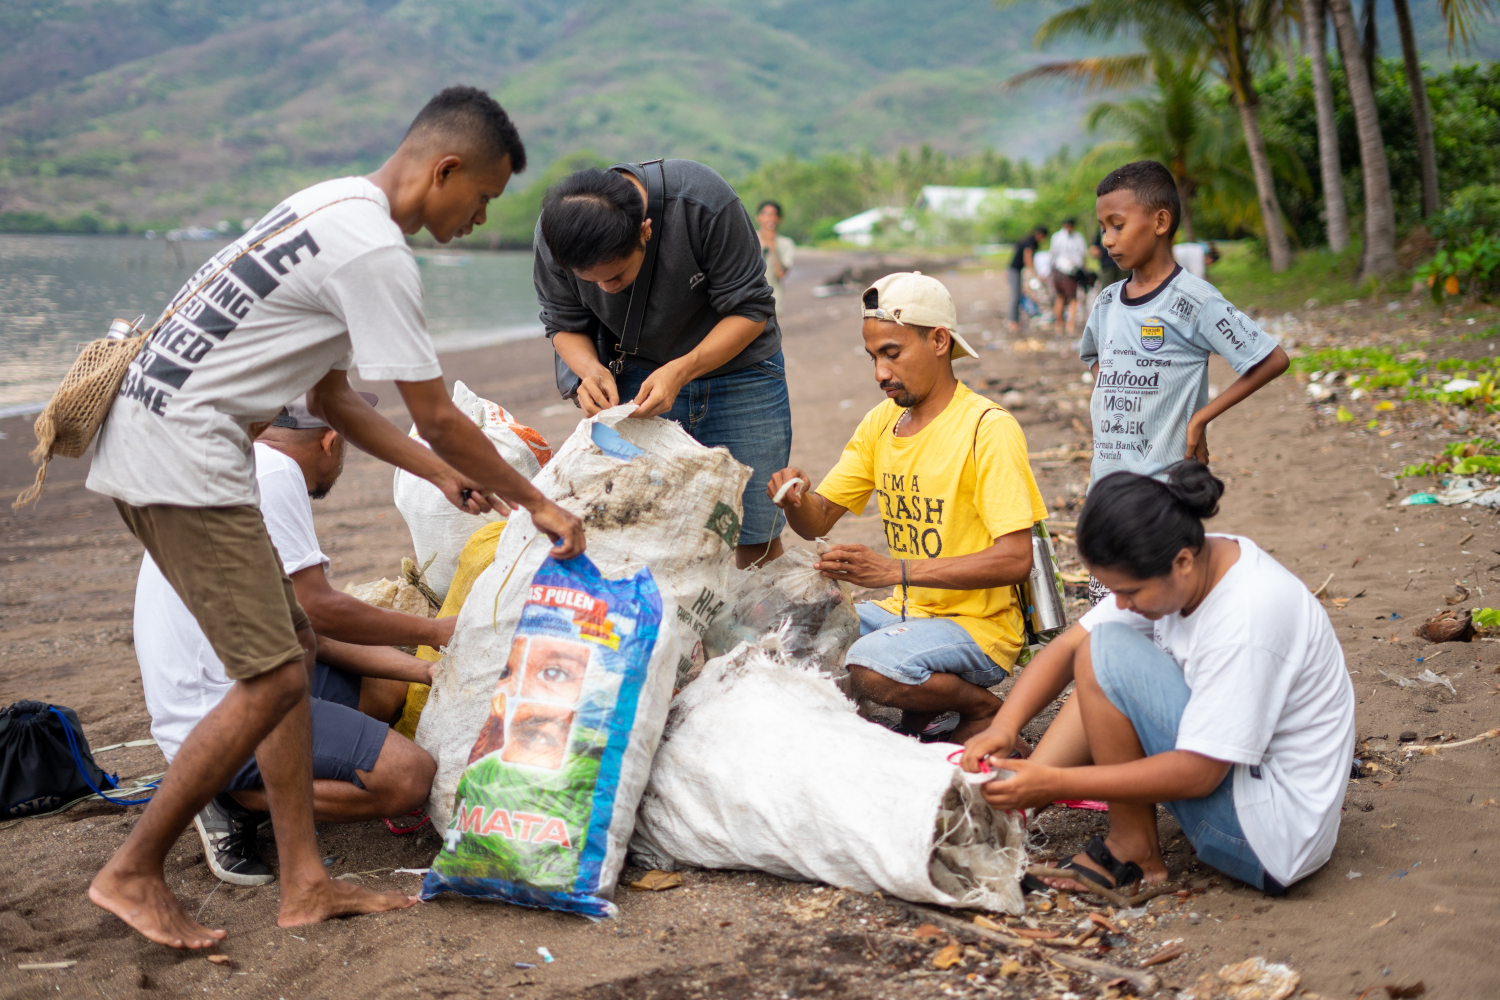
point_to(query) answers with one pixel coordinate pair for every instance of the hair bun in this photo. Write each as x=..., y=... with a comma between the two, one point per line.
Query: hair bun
x=1194, y=487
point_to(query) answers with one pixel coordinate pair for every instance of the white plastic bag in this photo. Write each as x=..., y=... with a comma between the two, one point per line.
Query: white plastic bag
x=764, y=765
x=648, y=495
x=439, y=529
x=814, y=614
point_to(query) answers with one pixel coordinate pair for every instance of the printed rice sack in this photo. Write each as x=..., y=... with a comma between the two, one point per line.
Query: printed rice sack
x=548, y=798
x=649, y=495
x=765, y=766
x=439, y=529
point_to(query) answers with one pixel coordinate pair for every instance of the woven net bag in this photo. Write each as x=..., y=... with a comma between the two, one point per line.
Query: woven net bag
x=76, y=410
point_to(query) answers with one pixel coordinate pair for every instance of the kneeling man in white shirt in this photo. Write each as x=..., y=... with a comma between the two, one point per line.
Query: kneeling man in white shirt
x=362, y=769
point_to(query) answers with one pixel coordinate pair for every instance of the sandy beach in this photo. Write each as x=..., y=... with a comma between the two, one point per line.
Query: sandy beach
x=1408, y=897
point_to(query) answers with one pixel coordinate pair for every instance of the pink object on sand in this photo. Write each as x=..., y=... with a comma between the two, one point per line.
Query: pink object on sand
x=1083, y=804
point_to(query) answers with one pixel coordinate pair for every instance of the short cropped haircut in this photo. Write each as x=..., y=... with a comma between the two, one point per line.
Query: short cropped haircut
x=592, y=217
x=774, y=204
x=1152, y=185
x=475, y=120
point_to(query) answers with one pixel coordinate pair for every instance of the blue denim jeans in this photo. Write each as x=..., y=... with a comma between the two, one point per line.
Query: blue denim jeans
x=909, y=652
x=746, y=411
x=1145, y=683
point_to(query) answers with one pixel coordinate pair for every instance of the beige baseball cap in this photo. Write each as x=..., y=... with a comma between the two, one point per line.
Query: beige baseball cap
x=912, y=298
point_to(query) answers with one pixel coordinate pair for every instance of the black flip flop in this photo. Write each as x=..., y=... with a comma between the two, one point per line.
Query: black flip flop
x=1124, y=873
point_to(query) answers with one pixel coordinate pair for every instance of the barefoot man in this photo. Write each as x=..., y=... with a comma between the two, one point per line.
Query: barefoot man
x=333, y=287
x=957, y=500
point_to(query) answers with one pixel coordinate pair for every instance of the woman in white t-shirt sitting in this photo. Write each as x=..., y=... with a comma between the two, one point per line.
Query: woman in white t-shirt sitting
x=1212, y=683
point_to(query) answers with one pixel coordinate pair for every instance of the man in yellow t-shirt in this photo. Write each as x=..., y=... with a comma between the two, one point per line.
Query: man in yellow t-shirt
x=949, y=472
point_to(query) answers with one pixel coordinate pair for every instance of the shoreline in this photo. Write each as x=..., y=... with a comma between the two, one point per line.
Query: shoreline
x=443, y=343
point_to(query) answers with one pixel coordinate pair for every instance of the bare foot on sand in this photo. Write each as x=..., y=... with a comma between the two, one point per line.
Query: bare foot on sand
x=147, y=905
x=335, y=898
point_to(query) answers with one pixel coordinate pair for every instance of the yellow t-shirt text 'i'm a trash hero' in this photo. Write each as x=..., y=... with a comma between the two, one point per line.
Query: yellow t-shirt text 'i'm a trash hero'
x=950, y=489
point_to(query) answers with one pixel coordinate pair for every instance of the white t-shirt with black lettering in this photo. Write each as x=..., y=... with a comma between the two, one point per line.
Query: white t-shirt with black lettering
x=182, y=678
x=1153, y=368
x=339, y=289
x=1270, y=695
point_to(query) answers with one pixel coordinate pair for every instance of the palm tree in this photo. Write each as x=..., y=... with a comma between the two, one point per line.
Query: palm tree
x=1462, y=16
x=1231, y=33
x=1380, y=212
x=1179, y=126
x=1170, y=127
x=1421, y=110
x=1336, y=213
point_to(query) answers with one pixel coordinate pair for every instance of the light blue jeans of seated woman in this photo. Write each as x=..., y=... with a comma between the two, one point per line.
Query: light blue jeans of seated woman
x=1145, y=683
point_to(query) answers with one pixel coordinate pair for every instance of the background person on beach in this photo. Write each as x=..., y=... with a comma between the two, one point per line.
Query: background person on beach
x=957, y=500
x=1069, y=252
x=1212, y=683
x=710, y=347
x=361, y=769
x=1023, y=260
x=778, y=250
x=176, y=455
x=1149, y=338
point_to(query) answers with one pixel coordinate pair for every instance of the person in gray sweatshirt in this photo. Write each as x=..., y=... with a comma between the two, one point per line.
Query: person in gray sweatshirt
x=709, y=354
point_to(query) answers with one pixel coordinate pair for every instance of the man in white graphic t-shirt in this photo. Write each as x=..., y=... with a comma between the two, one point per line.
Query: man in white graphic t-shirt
x=323, y=282
x=362, y=769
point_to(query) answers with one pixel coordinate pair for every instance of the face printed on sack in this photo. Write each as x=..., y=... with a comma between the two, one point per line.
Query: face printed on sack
x=907, y=365
x=538, y=735
x=540, y=687
x=554, y=670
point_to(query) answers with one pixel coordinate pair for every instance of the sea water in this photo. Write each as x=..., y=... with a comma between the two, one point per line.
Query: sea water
x=59, y=292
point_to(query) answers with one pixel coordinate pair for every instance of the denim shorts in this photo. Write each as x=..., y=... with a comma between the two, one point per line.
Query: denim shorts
x=746, y=411
x=344, y=739
x=909, y=652
x=1144, y=682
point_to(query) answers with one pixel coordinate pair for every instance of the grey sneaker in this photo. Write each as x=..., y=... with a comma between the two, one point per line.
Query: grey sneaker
x=228, y=832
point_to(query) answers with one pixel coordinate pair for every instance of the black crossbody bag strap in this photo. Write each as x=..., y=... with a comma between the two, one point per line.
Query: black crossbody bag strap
x=635, y=314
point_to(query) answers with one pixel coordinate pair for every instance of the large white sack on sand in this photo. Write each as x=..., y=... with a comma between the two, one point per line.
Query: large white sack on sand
x=439, y=529
x=765, y=766
x=648, y=495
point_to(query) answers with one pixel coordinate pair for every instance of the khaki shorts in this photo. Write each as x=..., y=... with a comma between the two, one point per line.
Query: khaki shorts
x=222, y=564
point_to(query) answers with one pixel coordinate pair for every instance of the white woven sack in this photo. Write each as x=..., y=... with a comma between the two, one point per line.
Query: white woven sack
x=675, y=507
x=765, y=766
x=438, y=529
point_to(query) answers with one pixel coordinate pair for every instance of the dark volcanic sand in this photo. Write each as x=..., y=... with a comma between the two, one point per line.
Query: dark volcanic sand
x=1423, y=837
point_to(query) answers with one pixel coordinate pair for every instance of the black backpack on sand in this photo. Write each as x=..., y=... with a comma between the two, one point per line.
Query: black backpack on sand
x=45, y=762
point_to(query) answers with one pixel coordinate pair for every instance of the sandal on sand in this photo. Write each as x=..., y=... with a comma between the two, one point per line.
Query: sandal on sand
x=410, y=823
x=1124, y=873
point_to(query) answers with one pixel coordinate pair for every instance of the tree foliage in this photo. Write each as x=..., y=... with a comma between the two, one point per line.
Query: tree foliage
x=1466, y=115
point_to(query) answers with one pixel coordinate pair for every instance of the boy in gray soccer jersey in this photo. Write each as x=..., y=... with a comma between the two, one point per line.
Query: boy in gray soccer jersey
x=1149, y=337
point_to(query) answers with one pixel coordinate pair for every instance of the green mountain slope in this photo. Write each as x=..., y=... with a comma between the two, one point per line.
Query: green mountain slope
x=156, y=112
